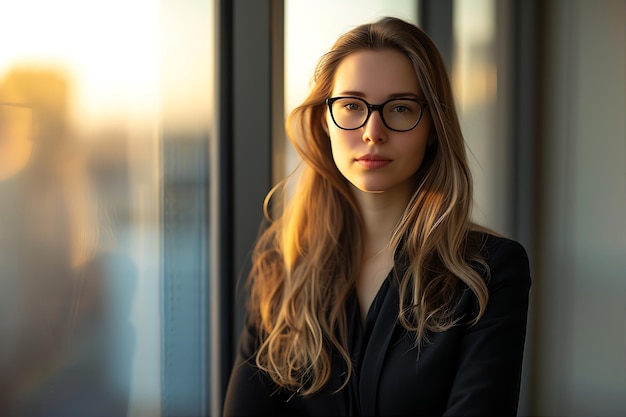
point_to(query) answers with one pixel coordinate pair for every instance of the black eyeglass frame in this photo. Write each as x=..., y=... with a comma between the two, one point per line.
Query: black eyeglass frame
x=377, y=107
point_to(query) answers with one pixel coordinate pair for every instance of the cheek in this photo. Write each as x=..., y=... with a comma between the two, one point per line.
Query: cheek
x=420, y=149
x=340, y=154
x=337, y=140
x=414, y=153
x=335, y=151
x=430, y=129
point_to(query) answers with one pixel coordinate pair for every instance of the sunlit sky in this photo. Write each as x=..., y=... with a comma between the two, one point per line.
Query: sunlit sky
x=109, y=50
x=123, y=58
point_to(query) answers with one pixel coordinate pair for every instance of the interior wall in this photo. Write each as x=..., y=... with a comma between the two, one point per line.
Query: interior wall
x=579, y=326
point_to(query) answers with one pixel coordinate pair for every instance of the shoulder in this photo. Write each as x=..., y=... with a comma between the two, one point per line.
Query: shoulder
x=494, y=246
x=506, y=259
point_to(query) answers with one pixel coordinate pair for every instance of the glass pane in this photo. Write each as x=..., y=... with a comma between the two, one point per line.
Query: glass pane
x=479, y=77
x=327, y=20
x=91, y=93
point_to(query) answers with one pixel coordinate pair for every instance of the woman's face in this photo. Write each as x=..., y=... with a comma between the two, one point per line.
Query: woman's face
x=374, y=158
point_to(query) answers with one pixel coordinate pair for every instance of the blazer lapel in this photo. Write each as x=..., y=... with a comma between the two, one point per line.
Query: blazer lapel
x=375, y=352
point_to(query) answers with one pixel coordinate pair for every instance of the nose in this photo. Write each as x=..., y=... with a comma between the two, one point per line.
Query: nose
x=374, y=129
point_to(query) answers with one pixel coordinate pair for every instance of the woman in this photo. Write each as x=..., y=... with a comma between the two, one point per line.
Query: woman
x=374, y=293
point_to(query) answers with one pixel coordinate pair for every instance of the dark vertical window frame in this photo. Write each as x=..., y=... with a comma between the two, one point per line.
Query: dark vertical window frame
x=527, y=34
x=279, y=136
x=435, y=18
x=526, y=108
x=222, y=211
x=251, y=139
x=246, y=100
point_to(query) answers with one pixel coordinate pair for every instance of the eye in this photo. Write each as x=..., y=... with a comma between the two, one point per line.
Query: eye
x=401, y=107
x=353, y=106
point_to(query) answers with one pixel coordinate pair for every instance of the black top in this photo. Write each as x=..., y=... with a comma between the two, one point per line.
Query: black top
x=463, y=371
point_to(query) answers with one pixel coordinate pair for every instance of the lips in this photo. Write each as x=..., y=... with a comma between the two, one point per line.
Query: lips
x=373, y=161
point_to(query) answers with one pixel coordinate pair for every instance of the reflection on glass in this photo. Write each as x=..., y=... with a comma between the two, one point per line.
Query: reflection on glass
x=15, y=137
x=56, y=319
x=90, y=92
x=483, y=107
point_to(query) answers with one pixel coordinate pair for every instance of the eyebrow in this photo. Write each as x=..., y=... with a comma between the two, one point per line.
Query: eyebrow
x=393, y=95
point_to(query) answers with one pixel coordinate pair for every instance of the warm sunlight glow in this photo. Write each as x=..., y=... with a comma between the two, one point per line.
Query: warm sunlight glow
x=474, y=73
x=108, y=53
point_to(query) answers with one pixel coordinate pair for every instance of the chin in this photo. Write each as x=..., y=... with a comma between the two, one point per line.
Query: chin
x=368, y=187
x=369, y=190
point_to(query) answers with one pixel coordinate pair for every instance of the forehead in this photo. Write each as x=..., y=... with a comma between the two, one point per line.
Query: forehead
x=375, y=75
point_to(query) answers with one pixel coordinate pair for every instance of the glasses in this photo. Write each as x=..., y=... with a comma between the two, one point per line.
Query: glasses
x=398, y=114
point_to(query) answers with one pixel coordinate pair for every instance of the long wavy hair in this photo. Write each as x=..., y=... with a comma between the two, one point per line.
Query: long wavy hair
x=306, y=260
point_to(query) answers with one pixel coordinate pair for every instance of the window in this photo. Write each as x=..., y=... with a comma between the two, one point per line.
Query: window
x=106, y=122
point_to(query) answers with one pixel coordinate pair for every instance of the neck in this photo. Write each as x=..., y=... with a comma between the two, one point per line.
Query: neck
x=381, y=213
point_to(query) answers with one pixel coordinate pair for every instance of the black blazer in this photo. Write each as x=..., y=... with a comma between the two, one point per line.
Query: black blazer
x=463, y=371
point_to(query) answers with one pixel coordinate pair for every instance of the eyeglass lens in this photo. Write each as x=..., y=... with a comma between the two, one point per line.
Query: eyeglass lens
x=397, y=114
